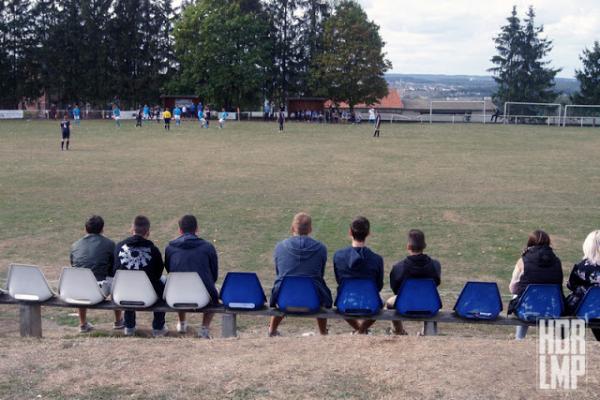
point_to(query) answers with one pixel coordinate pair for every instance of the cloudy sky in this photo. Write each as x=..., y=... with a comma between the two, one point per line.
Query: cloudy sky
x=456, y=36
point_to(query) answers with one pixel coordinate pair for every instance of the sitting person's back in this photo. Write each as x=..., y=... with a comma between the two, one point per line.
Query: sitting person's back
x=300, y=255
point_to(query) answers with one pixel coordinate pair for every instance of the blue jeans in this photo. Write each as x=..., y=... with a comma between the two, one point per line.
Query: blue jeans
x=159, y=317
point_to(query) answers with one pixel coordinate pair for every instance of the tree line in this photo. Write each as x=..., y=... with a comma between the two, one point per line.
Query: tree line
x=232, y=53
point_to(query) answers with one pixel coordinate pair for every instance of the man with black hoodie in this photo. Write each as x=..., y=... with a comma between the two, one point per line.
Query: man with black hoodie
x=189, y=253
x=138, y=253
x=358, y=262
x=301, y=255
x=416, y=266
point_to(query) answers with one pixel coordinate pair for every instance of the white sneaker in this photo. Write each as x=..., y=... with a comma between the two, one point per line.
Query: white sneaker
x=160, y=332
x=204, y=332
x=129, y=331
x=85, y=328
x=182, y=327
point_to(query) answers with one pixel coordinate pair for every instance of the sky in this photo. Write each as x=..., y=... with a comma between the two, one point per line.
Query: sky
x=455, y=37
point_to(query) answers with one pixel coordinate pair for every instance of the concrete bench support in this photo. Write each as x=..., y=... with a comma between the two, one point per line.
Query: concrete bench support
x=30, y=320
x=430, y=328
x=229, y=325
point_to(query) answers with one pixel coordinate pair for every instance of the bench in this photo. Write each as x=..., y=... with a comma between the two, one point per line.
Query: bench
x=31, y=316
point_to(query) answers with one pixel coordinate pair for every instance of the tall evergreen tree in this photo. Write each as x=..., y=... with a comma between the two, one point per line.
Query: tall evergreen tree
x=222, y=52
x=589, y=77
x=521, y=71
x=352, y=64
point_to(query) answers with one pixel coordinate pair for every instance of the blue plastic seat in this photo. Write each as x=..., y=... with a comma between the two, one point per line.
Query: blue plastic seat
x=242, y=290
x=298, y=295
x=540, y=301
x=479, y=300
x=358, y=297
x=418, y=298
x=589, y=308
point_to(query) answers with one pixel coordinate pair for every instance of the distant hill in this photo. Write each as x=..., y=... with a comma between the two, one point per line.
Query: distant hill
x=458, y=86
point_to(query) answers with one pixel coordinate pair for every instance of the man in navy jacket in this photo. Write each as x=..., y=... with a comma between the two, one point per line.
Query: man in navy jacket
x=189, y=253
x=358, y=262
x=301, y=255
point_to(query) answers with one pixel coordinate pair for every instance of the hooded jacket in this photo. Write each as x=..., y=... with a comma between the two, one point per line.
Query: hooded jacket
x=301, y=256
x=358, y=263
x=189, y=253
x=419, y=266
x=138, y=253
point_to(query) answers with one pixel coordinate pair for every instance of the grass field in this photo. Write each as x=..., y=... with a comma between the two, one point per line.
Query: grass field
x=476, y=191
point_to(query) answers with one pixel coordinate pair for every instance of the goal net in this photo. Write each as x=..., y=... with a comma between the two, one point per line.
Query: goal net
x=459, y=111
x=581, y=115
x=532, y=113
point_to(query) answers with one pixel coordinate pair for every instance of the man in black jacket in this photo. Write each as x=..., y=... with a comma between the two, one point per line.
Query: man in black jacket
x=416, y=266
x=189, y=253
x=138, y=253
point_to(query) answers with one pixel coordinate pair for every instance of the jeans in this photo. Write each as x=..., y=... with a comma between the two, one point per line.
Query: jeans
x=521, y=332
x=159, y=317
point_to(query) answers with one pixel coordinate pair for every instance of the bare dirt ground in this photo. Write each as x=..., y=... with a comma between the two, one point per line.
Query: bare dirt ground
x=283, y=368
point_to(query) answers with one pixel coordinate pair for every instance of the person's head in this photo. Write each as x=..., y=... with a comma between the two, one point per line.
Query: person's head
x=416, y=241
x=302, y=224
x=141, y=226
x=591, y=248
x=94, y=225
x=188, y=224
x=360, y=229
x=65, y=116
x=538, y=238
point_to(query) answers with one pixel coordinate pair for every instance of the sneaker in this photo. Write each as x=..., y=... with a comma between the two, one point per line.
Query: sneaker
x=160, y=332
x=85, y=328
x=204, y=332
x=182, y=327
x=128, y=331
x=120, y=324
x=273, y=334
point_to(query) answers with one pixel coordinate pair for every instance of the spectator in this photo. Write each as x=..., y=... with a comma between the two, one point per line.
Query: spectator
x=189, y=253
x=538, y=264
x=585, y=275
x=95, y=252
x=300, y=255
x=416, y=265
x=358, y=262
x=138, y=253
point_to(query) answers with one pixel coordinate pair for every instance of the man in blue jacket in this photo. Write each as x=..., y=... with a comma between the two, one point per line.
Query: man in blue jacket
x=358, y=262
x=189, y=253
x=300, y=255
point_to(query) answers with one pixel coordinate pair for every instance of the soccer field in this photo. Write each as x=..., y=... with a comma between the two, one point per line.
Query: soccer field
x=476, y=191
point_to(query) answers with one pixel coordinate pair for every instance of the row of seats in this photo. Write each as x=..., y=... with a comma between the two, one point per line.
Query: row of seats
x=243, y=291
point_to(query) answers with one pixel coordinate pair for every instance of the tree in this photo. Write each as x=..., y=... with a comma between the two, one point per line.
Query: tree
x=521, y=71
x=589, y=77
x=352, y=64
x=222, y=52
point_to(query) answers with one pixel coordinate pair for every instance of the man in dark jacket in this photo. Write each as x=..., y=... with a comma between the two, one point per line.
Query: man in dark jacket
x=95, y=252
x=138, y=253
x=416, y=266
x=358, y=262
x=300, y=255
x=189, y=253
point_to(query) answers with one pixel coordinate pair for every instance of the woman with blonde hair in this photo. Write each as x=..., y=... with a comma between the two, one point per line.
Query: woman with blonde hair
x=585, y=274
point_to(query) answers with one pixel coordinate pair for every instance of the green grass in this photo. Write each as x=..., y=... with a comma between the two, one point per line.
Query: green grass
x=475, y=190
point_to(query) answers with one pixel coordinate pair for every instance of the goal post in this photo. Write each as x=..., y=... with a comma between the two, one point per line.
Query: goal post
x=581, y=119
x=550, y=112
x=458, y=110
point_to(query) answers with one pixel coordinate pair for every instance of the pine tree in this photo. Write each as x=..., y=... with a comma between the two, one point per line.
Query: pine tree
x=589, y=77
x=521, y=71
x=352, y=64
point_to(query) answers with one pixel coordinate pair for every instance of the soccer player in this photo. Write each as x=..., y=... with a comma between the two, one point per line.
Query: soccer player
x=167, y=118
x=77, y=114
x=281, y=118
x=201, y=119
x=207, y=116
x=138, y=119
x=146, y=111
x=177, y=115
x=116, y=112
x=65, y=127
x=223, y=117
x=377, y=124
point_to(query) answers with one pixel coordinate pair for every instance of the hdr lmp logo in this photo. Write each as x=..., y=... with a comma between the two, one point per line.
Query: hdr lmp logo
x=561, y=353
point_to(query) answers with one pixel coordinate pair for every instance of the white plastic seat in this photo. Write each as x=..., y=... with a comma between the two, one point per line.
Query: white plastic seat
x=133, y=289
x=27, y=283
x=185, y=290
x=79, y=286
